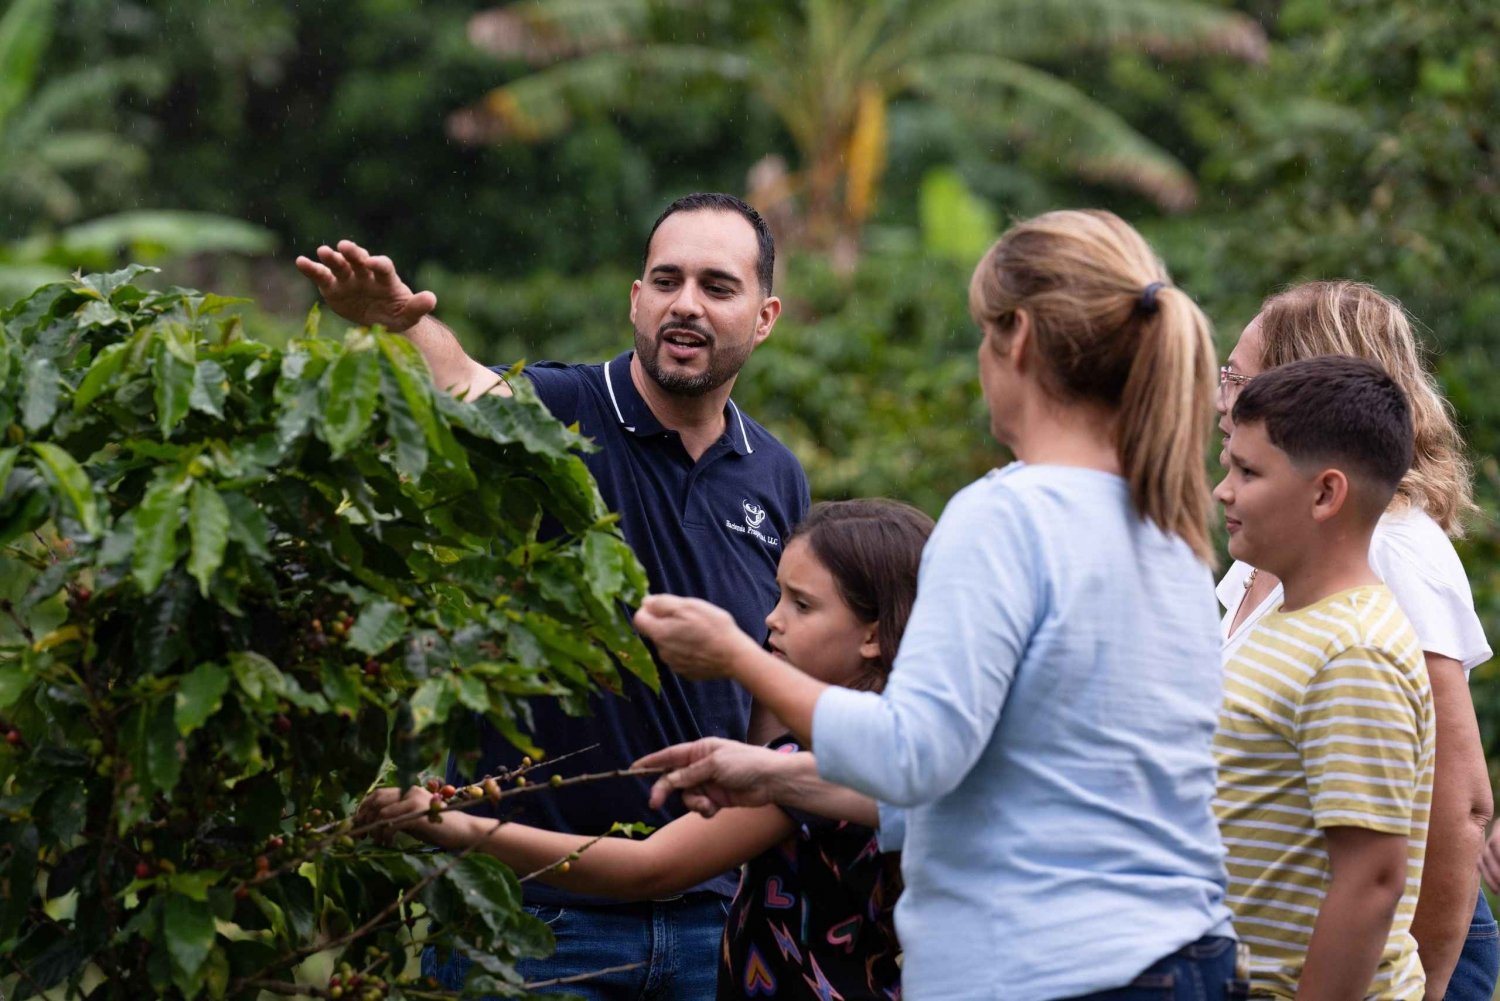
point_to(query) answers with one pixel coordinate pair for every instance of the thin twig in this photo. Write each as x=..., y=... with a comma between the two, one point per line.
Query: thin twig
x=506, y=776
x=38, y=988
x=469, y=804
x=10, y=610
x=579, y=978
x=405, y=897
x=287, y=989
x=566, y=858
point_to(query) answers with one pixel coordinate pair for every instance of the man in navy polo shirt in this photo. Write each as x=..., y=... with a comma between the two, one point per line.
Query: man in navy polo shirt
x=705, y=497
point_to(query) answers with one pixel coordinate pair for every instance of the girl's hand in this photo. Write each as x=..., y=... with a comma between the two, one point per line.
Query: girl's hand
x=694, y=638
x=390, y=803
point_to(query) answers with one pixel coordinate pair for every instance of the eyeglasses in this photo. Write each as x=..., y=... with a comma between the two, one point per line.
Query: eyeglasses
x=1229, y=377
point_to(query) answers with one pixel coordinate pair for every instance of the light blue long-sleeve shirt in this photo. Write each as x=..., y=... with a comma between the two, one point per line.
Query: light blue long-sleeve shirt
x=1047, y=725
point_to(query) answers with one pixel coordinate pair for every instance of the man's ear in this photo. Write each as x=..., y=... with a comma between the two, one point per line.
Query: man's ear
x=635, y=293
x=869, y=647
x=769, y=311
x=1330, y=494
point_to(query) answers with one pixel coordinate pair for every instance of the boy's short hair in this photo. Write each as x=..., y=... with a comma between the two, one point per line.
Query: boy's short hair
x=1347, y=412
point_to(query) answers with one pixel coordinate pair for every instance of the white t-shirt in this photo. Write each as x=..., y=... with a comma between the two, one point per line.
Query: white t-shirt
x=1415, y=558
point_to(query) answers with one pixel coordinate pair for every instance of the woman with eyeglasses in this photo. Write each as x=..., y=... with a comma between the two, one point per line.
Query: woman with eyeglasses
x=1411, y=550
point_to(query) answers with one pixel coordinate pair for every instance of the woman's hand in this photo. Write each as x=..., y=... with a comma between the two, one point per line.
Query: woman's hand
x=712, y=773
x=694, y=638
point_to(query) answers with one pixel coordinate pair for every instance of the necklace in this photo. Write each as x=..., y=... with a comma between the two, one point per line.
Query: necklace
x=1250, y=580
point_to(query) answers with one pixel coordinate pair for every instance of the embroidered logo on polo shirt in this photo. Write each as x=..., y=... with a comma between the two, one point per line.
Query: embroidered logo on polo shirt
x=755, y=516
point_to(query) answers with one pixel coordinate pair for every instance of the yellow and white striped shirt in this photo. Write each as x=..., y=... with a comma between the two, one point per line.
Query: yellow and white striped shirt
x=1327, y=722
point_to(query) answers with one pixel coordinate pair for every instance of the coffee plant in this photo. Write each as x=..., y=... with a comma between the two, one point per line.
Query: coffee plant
x=239, y=585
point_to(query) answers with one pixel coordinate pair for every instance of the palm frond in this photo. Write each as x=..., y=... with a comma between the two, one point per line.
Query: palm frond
x=82, y=149
x=25, y=30
x=158, y=232
x=1049, y=29
x=30, y=183
x=541, y=104
x=1011, y=102
x=92, y=88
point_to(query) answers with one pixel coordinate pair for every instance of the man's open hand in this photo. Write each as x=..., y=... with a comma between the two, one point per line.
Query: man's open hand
x=365, y=290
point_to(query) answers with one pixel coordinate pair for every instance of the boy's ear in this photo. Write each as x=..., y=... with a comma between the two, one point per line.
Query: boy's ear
x=869, y=647
x=1330, y=494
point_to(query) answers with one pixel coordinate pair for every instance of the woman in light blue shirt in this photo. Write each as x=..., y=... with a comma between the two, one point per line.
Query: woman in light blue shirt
x=1046, y=729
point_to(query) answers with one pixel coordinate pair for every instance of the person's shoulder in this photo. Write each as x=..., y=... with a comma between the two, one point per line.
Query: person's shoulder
x=556, y=372
x=1371, y=624
x=762, y=443
x=566, y=388
x=1044, y=496
x=1410, y=541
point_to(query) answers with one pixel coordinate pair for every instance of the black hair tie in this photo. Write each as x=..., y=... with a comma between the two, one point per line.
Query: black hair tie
x=1147, y=301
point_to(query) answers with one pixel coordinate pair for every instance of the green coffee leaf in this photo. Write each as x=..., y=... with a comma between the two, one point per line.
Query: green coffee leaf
x=165, y=751
x=431, y=703
x=353, y=386
x=67, y=475
x=188, y=926
x=194, y=885
x=247, y=524
x=487, y=887
x=156, y=523
x=208, y=528
x=380, y=624
x=210, y=389
x=199, y=697
x=173, y=380
x=256, y=675
x=39, y=394
x=106, y=365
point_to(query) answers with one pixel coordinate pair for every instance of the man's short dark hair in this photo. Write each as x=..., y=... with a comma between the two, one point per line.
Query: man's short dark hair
x=765, y=262
x=1334, y=409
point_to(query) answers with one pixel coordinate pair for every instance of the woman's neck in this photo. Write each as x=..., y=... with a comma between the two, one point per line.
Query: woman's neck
x=1080, y=435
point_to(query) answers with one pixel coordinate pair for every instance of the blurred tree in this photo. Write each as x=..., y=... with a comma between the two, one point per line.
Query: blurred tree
x=58, y=136
x=828, y=68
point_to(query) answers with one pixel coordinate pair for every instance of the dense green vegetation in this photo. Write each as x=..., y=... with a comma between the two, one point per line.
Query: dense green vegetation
x=238, y=586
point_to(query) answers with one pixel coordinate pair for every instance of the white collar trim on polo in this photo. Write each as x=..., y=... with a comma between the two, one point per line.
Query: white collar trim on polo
x=609, y=384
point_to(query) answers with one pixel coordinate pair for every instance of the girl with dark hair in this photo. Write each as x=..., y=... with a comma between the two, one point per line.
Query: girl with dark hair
x=813, y=910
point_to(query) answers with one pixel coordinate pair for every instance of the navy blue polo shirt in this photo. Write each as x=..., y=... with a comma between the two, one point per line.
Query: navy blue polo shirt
x=711, y=529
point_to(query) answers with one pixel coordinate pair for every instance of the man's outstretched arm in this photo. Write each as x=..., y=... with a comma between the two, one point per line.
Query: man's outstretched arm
x=366, y=290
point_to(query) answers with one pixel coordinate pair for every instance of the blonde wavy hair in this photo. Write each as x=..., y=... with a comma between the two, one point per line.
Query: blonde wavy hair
x=1081, y=276
x=1352, y=318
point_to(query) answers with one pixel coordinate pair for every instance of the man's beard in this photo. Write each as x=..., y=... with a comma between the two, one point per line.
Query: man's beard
x=721, y=366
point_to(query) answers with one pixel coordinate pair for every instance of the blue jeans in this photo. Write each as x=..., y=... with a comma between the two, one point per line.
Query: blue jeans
x=1199, y=971
x=676, y=941
x=1479, y=963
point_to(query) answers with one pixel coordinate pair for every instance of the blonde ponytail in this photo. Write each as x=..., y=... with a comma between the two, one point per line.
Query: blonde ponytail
x=1083, y=278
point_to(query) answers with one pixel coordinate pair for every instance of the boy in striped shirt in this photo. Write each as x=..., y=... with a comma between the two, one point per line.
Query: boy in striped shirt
x=1325, y=739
